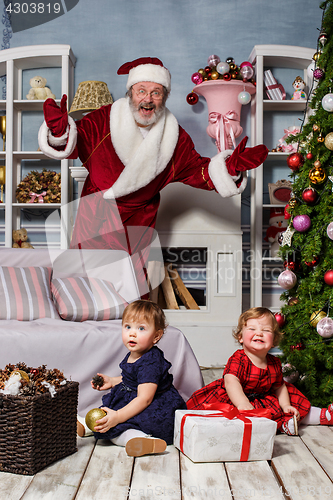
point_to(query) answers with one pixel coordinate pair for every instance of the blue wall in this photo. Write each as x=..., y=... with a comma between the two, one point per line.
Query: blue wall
x=104, y=34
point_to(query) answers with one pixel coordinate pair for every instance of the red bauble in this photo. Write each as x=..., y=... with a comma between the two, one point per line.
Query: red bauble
x=293, y=301
x=227, y=76
x=309, y=156
x=208, y=70
x=312, y=263
x=287, y=215
x=295, y=161
x=300, y=346
x=280, y=319
x=292, y=265
x=309, y=195
x=192, y=98
x=328, y=277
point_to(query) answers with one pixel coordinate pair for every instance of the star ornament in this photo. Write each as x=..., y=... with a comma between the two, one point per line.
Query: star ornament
x=287, y=236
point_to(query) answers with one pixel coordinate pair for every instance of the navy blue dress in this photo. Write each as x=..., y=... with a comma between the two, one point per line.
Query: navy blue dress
x=158, y=418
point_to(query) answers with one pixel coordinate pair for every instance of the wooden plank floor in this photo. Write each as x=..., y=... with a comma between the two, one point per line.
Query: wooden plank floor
x=301, y=469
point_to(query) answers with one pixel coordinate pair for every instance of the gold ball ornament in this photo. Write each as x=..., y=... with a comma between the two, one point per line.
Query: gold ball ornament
x=292, y=202
x=329, y=141
x=214, y=75
x=23, y=374
x=317, y=164
x=316, y=317
x=317, y=175
x=320, y=138
x=316, y=55
x=92, y=416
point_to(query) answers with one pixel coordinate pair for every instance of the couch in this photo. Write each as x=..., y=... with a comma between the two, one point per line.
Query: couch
x=52, y=330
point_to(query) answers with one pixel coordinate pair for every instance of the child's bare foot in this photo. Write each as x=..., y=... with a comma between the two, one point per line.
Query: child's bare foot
x=326, y=416
x=139, y=446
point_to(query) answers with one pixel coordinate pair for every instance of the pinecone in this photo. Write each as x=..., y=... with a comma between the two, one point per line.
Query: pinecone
x=97, y=381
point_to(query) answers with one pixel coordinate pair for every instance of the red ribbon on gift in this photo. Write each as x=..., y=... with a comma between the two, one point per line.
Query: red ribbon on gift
x=230, y=412
x=276, y=86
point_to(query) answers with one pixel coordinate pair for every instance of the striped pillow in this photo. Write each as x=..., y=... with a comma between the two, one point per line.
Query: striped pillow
x=25, y=293
x=83, y=298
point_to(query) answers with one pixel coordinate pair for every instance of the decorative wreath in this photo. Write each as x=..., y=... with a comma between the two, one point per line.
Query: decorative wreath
x=40, y=187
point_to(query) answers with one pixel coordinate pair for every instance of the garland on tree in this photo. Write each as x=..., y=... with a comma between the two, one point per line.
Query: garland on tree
x=307, y=246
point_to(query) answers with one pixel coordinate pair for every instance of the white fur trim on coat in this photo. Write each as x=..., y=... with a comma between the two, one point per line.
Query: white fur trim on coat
x=149, y=73
x=224, y=183
x=46, y=140
x=144, y=158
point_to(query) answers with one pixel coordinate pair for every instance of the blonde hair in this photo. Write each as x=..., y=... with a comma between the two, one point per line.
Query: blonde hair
x=147, y=310
x=255, y=313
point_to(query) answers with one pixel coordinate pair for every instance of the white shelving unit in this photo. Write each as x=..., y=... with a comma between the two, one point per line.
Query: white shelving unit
x=269, y=57
x=13, y=62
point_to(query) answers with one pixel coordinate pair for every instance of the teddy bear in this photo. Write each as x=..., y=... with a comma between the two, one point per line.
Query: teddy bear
x=277, y=225
x=20, y=237
x=38, y=89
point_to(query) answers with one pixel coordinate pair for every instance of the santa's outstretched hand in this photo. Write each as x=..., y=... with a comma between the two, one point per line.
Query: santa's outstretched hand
x=56, y=117
x=243, y=158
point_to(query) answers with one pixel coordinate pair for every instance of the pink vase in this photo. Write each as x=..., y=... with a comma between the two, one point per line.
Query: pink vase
x=224, y=109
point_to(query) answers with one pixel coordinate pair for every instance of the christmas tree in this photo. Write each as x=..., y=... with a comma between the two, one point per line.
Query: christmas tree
x=307, y=246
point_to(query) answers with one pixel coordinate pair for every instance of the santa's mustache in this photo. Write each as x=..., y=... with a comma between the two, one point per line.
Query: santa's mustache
x=147, y=105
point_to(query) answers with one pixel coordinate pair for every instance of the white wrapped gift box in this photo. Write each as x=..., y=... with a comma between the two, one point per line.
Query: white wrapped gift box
x=204, y=437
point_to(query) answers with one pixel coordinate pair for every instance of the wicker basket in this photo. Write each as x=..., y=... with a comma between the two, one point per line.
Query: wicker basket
x=35, y=431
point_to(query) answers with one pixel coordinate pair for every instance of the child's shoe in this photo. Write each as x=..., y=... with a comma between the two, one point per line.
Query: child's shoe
x=290, y=427
x=326, y=415
x=136, y=447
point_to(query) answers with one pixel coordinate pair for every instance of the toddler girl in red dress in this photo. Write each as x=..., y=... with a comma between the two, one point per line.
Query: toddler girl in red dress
x=253, y=378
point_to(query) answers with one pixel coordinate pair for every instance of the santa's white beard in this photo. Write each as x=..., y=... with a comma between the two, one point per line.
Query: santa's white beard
x=146, y=121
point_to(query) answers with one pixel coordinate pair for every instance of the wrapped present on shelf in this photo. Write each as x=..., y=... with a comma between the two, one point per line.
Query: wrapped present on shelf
x=279, y=192
x=224, y=436
x=274, y=90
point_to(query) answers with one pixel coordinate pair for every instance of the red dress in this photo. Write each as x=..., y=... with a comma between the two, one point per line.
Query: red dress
x=258, y=384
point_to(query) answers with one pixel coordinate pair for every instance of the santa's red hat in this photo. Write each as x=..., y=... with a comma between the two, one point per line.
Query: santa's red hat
x=146, y=69
x=276, y=212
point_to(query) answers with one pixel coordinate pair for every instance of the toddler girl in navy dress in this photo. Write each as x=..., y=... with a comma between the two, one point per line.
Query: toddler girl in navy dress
x=253, y=378
x=142, y=401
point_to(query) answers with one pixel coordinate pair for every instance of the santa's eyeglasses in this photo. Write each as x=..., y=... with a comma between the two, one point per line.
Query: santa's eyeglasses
x=155, y=94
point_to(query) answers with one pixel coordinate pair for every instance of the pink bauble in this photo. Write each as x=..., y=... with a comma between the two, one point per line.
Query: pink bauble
x=328, y=277
x=246, y=63
x=318, y=73
x=325, y=327
x=330, y=230
x=293, y=373
x=287, y=279
x=213, y=60
x=302, y=223
x=246, y=72
x=197, y=78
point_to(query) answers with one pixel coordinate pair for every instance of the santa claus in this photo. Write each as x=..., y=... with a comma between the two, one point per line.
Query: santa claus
x=132, y=149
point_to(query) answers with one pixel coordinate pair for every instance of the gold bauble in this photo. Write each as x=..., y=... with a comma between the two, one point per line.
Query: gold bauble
x=232, y=66
x=317, y=164
x=92, y=416
x=329, y=141
x=23, y=374
x=316, y=55
x=316, y=317
x=317, y=175
x=292, y=202
x=320, y=138
x=214, y=75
